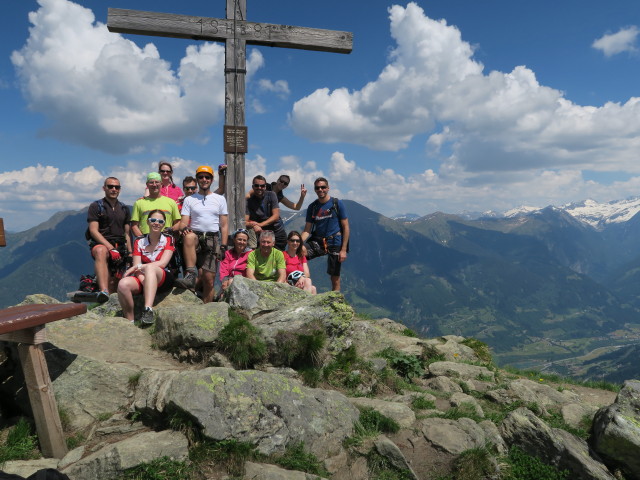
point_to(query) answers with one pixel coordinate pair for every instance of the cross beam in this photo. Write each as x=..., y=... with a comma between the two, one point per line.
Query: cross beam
x=236, y=32
x=221, y=29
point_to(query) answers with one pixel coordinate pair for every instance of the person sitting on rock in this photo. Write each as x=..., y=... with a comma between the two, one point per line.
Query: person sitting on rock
x=297, y=267
x=235, y=260
x=267, y=263
x=148, y=275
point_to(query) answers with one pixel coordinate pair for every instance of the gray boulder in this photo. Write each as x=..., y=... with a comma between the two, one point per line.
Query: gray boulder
x=110, y=461
x=453, y=436
x=251, y=297
x=460, y=370
x=399, y=412
x=189, y=326
x=552, y=445
x=268, y=410
x=616, y=430
x=391, y=452
x=265, y=471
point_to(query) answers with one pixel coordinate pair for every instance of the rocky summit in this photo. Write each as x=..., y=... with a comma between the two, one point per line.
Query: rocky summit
x=274, y=383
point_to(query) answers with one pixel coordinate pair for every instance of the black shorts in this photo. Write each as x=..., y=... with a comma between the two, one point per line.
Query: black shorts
x=316, y=247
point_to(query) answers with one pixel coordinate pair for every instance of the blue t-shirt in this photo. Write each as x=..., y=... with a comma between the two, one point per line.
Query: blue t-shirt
x=325, y=220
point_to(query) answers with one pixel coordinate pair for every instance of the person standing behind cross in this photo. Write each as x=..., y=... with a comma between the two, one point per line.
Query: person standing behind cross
x=263, y=212
x=154, y=201
x=327, y=231
x=205, y=220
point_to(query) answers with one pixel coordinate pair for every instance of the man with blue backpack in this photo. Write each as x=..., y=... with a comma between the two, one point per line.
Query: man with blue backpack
x=108, y=237
x=326, y=231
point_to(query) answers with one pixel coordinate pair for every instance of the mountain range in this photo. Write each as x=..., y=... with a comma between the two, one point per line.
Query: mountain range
x=553, y=288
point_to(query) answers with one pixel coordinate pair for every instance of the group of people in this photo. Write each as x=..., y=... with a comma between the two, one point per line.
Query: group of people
x=169, y=228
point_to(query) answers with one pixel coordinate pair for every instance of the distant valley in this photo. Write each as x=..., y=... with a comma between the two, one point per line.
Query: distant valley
x=555, y=288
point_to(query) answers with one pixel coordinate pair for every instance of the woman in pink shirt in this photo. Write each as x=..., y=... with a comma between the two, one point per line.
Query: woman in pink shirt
x=297, y=267
x=235, y=260
x=168, y=187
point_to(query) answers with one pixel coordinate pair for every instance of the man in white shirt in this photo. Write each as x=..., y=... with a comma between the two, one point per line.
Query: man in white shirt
x=205, y=220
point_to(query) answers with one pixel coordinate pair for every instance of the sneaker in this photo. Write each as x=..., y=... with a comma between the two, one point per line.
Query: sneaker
x=102, y=296
x=147, y=316
x=189, y=281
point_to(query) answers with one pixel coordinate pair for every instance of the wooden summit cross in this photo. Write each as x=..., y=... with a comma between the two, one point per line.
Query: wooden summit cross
x=236, y=32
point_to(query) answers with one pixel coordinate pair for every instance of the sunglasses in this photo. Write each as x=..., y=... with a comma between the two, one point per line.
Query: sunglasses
x=241, y=230
x=159, y=221
x=321, y=187
x=282, y=182
x=294, y=240
x=165, y=171
x=117, y=187
x=259, y=185
x=204, y=177
x=190, y=188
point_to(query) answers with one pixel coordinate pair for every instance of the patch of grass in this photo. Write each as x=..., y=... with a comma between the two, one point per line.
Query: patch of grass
x=407, y=332
x=525, y=467
x=159, y=469
x=465, y=410
x=21, y=443
x=380, y=468
x=75, y=440
x=371, y=423
x=374, y=421
x=421, y=403
x=430, y=354
x=407, y=366
x=104, y=416
x=552, y=377
x=242, y=342
x=349, y=371
x=230, y=453
x=134, y=379
x=555, y=420
x=296, y=458
x=481, y=349
x=474, y=464
x=301, y=349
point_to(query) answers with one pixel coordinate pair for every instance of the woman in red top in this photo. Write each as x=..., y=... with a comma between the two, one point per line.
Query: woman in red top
x=151, y=255
x=235, y=260
x=296, y=262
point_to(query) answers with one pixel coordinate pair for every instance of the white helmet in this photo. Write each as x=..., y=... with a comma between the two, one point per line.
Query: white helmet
x=293, y=277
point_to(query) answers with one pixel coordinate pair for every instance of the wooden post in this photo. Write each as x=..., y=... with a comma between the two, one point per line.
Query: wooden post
x=25, y=325
x=3, y=241
x=236, y=32
x=235, y=71
x=43, y=402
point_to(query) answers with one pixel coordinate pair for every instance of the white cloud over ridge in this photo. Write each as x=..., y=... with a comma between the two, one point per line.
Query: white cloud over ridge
x=624, y=40
x=100, y=90
x=495, y=122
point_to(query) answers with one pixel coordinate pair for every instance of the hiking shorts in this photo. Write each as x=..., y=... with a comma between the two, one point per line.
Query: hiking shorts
x=317, y=247
x=207, y=251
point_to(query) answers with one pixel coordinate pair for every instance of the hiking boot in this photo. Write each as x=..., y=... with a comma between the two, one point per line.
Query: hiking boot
x=102, y=297
x=188, y=282
x=147, y=316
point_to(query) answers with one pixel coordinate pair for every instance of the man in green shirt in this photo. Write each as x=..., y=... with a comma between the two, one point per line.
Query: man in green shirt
x=267, y=263
x=143, y=206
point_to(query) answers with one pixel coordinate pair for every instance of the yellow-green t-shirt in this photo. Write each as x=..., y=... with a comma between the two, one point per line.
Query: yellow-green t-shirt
x=266, y=268
x=143, y=206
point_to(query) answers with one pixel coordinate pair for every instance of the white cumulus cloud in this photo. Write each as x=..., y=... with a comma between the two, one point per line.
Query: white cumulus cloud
x=486, y=122
x=100, y=90
x=623, y=40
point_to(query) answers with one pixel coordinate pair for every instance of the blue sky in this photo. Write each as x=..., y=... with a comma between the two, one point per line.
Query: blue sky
x=441, y=106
